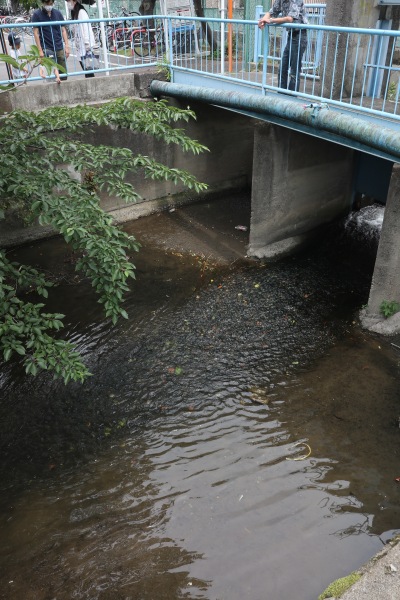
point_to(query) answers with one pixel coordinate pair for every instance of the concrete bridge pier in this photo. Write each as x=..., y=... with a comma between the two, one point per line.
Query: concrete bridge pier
x=386, y=278
x=299, y=184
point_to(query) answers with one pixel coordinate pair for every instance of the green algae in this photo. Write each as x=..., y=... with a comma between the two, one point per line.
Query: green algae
x=338, y=587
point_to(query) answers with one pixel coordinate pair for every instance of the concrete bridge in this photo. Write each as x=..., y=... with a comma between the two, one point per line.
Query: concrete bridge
x=307, y=155
x=319, y=149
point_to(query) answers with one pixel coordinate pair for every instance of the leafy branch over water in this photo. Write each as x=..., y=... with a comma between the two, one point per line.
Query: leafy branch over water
x=35, y=147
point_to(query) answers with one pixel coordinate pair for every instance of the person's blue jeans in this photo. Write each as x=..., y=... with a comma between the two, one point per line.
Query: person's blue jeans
x=291, y=60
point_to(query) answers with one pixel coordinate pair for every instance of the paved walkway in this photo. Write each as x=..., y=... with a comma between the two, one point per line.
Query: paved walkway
x=380, y=577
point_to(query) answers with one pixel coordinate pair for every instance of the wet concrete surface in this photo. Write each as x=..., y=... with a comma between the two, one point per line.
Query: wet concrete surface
x=216, y=230
x=380, y=577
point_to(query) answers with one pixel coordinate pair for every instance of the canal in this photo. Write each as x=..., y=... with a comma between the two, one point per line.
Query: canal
x=239, y=438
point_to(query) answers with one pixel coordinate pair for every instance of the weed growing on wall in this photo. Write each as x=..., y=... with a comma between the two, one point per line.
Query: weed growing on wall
x=388, y=309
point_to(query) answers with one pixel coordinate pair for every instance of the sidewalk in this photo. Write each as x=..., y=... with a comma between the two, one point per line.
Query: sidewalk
x=380, y=577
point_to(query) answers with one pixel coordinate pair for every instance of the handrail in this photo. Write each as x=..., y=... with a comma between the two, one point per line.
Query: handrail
x=348, y=67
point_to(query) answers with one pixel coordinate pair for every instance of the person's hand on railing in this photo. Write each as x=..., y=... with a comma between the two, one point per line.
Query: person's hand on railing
x=265, y=20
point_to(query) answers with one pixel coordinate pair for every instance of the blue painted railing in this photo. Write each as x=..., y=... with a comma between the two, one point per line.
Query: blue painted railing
x=352, y=68
x=118, y=42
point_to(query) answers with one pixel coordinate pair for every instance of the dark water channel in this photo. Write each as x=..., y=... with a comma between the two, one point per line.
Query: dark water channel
x=174, y=471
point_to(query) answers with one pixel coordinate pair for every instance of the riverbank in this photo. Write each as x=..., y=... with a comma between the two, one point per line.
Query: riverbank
x=379, y=578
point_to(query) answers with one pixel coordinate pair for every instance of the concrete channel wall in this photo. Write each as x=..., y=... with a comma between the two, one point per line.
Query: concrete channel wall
x=227, y=166
x=299, y=182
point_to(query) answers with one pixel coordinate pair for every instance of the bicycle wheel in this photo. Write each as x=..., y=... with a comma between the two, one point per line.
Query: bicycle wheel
x=109, y=33
x=96, y=33
x=7, y=21
x=19, y=31
x=143, y=43
x=159, y=38
x=160, y=41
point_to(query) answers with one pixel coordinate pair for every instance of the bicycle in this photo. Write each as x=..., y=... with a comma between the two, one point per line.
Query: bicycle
x=148, y=40
x=118, y=33
x=151, y=41
x=14, y=20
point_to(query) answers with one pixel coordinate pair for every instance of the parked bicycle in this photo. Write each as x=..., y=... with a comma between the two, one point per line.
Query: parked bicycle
x=117, y=32
x=147, y=41
x=13, y=21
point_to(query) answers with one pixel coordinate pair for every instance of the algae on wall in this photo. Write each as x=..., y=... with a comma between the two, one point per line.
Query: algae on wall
x=338, y=587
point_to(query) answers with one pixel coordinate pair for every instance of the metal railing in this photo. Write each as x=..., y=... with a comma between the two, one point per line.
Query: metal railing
x=120, y=44
x=316, y=16
x=352, y=68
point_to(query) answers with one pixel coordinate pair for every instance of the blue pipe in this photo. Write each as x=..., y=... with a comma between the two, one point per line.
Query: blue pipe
x=315, y=116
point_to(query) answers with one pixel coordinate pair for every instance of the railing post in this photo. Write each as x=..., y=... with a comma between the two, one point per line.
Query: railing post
x=222, y=34
x=378, y=58
x=168, y=45
x=265, y=59
x=257, y=34
x=103, y=36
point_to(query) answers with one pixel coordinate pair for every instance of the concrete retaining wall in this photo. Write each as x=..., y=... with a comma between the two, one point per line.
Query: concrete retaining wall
x=229, y=137
x=40, y=95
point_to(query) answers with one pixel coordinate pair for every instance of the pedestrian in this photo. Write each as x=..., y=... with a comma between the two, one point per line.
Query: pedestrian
x=51, y=40
x=289, y=11
x=86, y=46
x=15, y=45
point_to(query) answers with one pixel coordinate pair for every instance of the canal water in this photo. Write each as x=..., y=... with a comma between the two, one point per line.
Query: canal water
x=239, y=438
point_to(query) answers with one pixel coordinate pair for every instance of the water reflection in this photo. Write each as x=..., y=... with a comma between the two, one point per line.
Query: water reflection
x=100, y=534
x=166, y=475
x=202, y=504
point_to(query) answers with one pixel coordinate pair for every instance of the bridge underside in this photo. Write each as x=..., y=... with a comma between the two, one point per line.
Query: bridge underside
x=329, y=137
x=302, y=181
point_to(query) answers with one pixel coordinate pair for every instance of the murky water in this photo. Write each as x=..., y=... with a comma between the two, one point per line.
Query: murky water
x=180, y=470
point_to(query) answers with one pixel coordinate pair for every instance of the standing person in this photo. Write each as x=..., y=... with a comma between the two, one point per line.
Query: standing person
x=15, y=45
x=289, y=11
x=84, y=38
x=49, y=38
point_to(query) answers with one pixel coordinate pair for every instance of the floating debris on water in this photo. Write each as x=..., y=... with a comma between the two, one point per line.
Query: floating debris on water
x=303, y=457
x=259, y=395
